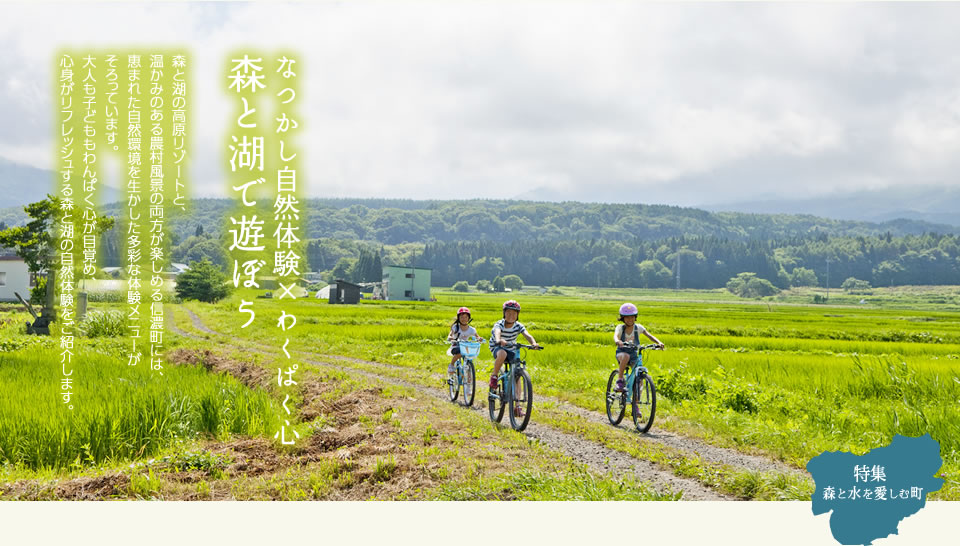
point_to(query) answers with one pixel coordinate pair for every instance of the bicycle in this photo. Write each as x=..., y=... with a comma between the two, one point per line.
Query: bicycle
x=513, y=373
x=466, y=376
x=640, y=392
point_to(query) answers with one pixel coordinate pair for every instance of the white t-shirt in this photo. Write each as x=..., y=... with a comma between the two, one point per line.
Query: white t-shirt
x=635, y=335
x=464, y=333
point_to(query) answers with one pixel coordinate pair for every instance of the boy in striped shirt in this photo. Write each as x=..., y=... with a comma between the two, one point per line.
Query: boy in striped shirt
x=504, y=334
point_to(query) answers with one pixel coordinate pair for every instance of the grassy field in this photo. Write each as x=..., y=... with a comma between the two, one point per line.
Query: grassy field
x=205, y=430
x=121, y=411
x=199, y=433
x=787, y=380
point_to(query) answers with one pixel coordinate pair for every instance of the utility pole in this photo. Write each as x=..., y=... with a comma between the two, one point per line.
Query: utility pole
x=828, y=278
x=413, y=275
x=677, y=269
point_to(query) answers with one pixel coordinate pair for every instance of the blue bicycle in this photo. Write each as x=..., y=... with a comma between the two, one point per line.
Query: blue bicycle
x=465, y=376
x=514, y=391
x=640, y=393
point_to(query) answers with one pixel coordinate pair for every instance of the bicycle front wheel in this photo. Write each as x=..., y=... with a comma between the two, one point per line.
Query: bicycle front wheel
x=616, y=401
x=521, y=403
x=496, y=402
x=644, y=402
x=469, y=384
x=453, y=383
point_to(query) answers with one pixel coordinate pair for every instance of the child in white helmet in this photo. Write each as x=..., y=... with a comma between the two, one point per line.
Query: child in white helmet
x=629, y=332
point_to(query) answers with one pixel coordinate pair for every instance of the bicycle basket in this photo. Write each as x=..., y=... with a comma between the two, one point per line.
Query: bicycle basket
x=470, y=349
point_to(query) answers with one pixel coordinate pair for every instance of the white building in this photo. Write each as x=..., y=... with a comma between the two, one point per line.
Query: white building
x=14, y=277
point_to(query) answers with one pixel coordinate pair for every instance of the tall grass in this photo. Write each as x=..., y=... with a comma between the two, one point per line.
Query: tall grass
x=119, y=412
x=103, y=324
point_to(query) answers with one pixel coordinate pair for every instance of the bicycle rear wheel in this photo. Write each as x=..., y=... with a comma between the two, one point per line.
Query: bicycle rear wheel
x=469, y=384
x=496, y=403
x=616, y=401
x=453, y=383
x=522, y=400
x=644, y=402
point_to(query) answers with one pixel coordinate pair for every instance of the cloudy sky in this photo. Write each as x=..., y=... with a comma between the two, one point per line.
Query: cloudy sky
x=685, y=104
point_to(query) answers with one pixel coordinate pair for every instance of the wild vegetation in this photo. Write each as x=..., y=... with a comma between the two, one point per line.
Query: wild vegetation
x=118, y=412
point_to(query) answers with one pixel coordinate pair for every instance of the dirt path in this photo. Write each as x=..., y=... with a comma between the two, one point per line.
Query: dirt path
x=595, y=456
x=702, y=449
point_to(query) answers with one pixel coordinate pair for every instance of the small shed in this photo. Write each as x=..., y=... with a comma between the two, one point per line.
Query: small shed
x=344, y=292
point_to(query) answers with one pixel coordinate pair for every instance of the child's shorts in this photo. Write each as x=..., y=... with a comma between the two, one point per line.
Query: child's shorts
x=634, y=357
x=511, y=355
x=455, y=349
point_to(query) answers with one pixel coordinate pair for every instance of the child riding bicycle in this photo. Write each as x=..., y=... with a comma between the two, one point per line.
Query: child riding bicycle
x=460, y=330
x=503, y=335
x=627, y=338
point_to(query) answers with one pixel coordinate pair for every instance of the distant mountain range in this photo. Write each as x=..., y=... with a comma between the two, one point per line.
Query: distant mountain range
x=924, y=203
x=931, y=204
x=23, y=184
x=917, y=209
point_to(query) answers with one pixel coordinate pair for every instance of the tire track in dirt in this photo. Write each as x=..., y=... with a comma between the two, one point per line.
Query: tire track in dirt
x=596, y=456
x=701, y=449
x=673, y=440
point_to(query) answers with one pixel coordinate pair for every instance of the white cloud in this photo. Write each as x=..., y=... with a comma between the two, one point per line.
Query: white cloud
x=492, y=99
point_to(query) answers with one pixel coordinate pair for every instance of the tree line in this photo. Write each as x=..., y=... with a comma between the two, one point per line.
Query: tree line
x=481, y=240
x=394, y=222
x=702, y=262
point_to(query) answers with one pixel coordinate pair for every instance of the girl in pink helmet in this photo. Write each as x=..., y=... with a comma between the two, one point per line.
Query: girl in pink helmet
x=629, y=332
x=460, y=330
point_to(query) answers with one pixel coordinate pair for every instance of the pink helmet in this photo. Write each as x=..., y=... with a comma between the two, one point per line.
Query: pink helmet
x=463, y=310
x=511, y=304
x=628, y=309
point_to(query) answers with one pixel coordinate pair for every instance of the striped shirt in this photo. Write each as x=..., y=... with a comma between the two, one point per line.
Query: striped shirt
x=506, y=334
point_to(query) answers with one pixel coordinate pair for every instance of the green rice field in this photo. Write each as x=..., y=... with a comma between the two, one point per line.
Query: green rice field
x=119, y=412
x=782, y=379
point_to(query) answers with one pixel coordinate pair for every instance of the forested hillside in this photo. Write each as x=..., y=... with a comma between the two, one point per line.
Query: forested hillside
x=582, y=243
x=404, y=221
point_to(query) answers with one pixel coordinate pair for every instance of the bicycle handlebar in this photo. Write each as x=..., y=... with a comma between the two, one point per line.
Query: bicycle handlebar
x=521, y=345
x=652, y=346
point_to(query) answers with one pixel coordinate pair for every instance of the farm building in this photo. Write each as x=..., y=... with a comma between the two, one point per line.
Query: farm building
x=406, y=283
x=14, y=277
x=344, y=292
x=324, y=293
